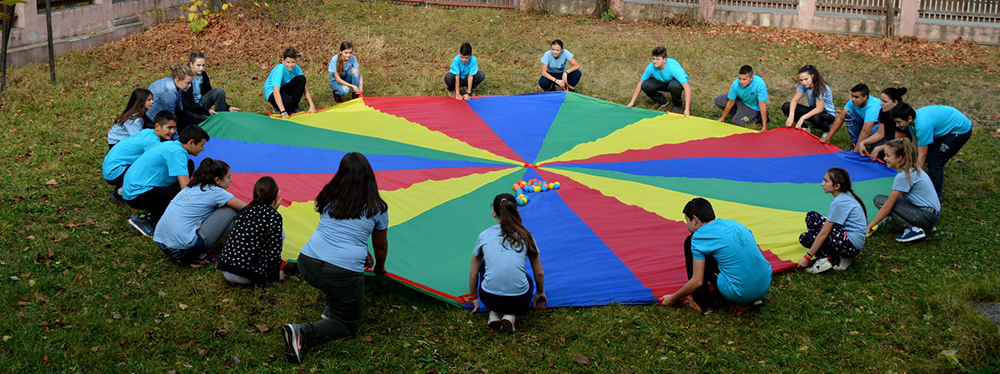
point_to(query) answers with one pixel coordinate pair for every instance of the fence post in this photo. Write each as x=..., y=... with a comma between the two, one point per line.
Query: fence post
x=908, y=12
x=807, y=10
x=705, y=9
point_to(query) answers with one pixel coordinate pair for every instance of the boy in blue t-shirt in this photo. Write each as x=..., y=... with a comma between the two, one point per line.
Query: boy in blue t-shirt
x=861, y=114
x=664, y=74
x=723, y=253
x=748, y=94
x=285, y=86
x=123, y=154
x=464, y=67
x=158, y=175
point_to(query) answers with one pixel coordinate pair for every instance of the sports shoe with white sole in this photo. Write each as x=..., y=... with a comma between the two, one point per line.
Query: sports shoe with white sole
x=911, y=234
x=845, y=262
x=294, y=347
x=508, y=322
x=820, y=266
x=143, y=225
x=494, y=321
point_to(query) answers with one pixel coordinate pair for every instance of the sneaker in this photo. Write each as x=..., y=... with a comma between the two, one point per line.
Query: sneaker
x=294, y=347
x=911, y=234
x=933, y=228
x=844, y=263
x=689, y=302
x=494, y=321
x=144, y=225
x=824, y=135
x=209, y=259
x=820, y=266
x=117, y=198
x=326, y=313
x=508, y=322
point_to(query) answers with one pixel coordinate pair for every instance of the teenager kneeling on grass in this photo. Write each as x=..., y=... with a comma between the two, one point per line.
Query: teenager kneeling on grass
x=819, y=110
x=286, y=85
x=722, y=253
x=559, y=69
x=748, y=94
x=913, y=201
x=664, y=74
x=253, y=252
x=464, y=72
x=940, y=132
x=127, y=151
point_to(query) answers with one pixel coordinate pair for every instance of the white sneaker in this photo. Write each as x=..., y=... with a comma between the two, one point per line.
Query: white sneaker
x=508, y=322
x=844, y=263
x=820, y=266
x=494, y=321
x=933, y=229
x=824, y=135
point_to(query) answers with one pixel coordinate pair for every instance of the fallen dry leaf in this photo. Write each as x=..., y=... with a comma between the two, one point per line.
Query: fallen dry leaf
x=895, y=270
x=52, y=182
x=581, y=359
x=261, y=327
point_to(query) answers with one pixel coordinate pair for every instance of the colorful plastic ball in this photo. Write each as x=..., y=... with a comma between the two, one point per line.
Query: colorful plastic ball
x=537, y=189
x=520, y=196
x=545, y=188
x=522, y=183
x=516, y=186
x=521, y=202
x=555, y=186
x=519, y=191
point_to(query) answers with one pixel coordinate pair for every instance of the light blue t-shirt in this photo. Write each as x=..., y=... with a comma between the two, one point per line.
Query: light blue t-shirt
x=126, y=129
x=178, y=228
x=671, y=70
x=464, y=70
x=935, y=121
x=847, y=212
x=557, y=65
x=126, y=152
x=505, y=273
x=279, y=77
x=159, y=166
x=752, y=94
x=744, y=274
x=827, y=96
x=919, y=190
x=196, y=87
x=352, y=63
x=344, y=242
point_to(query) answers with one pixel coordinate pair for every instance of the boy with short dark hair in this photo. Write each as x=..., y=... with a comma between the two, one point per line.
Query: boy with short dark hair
x=464, y=67
x=861, y=114
x=123, y=154
x=664, y=74
x=159, y=174
x=748, y=94
x=723, y=253
x=286, y=85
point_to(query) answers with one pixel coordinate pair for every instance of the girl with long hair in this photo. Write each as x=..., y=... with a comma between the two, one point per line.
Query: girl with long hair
x=838, y=237
x=252, y=255
x=816, y=91
x=345, y=73
x=132, y=119
x=913, y=201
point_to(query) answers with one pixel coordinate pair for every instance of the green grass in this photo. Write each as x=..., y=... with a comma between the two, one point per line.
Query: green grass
x=92, y=295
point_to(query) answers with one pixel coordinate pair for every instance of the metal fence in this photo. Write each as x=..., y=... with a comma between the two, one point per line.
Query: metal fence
x=983, y=11
x=502, y=4
x=763, y=4
x=860, y=7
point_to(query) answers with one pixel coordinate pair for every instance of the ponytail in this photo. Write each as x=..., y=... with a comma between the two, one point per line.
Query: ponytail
x=895, y=93
x=341, y=62
x=514, y=234
x=841, y=177
x=265, y=191
x=904, y=149
x=207, y=172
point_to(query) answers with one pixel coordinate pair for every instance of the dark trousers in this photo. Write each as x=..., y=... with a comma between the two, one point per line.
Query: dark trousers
x=908, y=213
x=654, y=89
x=184, y=119
x=742, y=113
x=703, y=296
x=837, y=244
x=507, y=304
x=938, y=154
x=572, y=79
x=214, y=99
x=345, y=298
x=449, y=81
x=291, y=95
x=156, y=200
x=821, y=121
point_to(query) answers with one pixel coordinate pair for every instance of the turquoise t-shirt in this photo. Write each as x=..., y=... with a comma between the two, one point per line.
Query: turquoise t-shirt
x=505, y=268
x=126, y=152
x=344, y=242
x=671, y=70
x=869, y=112
x=159, y=166
x=279, y=77
x=744, y=274
x=919, y=190
x=178, y=228
x=464, y=70
x=935, y=121
x=557, y=65
x=752, y=94
x=847, y=212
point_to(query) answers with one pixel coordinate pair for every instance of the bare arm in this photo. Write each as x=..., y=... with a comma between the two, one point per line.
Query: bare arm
x=725, y=111
x=309, y=98
x=794, y=102
x=536, y=267
x=697, y=279
x=545, y=72
x=837, y=123
x=477, y=264
x=921, y=156
x=687, y=99
x=278, y=101
x=875, y=138
x=574, y=66
x=763, y=115
x=866, y=131
x=380, y=245
x=183, y=180
x=236, y=204
x=635, y=94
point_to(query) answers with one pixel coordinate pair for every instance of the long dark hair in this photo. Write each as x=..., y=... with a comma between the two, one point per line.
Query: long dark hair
x=353, y=191
x=265, y=191
x=136, y=107
x=511, y=229
x=207, y=171
x=819, y=84
x=841, y=177
x=341, y=62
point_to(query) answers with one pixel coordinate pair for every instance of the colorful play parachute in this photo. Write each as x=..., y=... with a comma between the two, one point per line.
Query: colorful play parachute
x=613, y=232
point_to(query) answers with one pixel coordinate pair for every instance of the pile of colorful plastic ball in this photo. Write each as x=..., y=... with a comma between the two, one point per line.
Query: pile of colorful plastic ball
x=523, y=187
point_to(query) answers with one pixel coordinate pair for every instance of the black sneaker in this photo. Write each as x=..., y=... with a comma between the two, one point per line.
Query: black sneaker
x=294, y=343
x=117, y=199
x=209, y=259
x=143, y=224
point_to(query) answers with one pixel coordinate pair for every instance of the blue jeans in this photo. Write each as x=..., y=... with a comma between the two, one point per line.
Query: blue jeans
x=352, y=77
x=855, y=124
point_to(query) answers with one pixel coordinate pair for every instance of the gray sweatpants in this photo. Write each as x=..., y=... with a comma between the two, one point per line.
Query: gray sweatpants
x=908, y=214
x=743, y=114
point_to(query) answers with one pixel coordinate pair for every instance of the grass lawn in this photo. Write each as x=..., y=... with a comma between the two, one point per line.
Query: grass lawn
x=81, y=291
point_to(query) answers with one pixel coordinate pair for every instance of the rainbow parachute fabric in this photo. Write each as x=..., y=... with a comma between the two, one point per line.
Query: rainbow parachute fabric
x=613, y=232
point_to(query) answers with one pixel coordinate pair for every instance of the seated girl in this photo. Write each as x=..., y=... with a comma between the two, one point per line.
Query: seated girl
x=816, y=90
x=913, y=201
x=198, y=216
x=252, y=255
x=345, y=73
x=838, y=237
x=203, y=100
x=132, y=118
x=559, y=69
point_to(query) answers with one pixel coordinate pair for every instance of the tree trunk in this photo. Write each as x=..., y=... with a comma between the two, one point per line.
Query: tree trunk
x=7, y=23
x=890, y=16
x=52, y=53
x=601, y=6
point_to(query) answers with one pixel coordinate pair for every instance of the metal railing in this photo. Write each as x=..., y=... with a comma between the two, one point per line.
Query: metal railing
x=763, y=4
x=860, y=7
x=502, y=4
x=984, y=11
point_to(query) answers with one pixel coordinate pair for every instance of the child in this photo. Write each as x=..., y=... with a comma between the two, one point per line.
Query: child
x=131, y=120
x=664, y=74
x=203, y=100
x=158, y=175
x=285, y=85
x=913, y=201
x=335, y=257
x=722, y=253
x=815, y=89
x=253, y=252
x=887, y=130
x=124, y=154
x=497, y=276
x=749, y=94
x=167, y=96
x=464, y=67
x=555, y=73
x=839, y=237
x=345, y=73
x=200, y=215
x=940, y=131
x=861, y=115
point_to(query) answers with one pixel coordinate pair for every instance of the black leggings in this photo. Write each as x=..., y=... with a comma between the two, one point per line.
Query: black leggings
x=821, y=121
x=703, y=296
x=837, y=244
x=507, y=304
x=572, y=79
x=156, y=200
x=291, y=95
